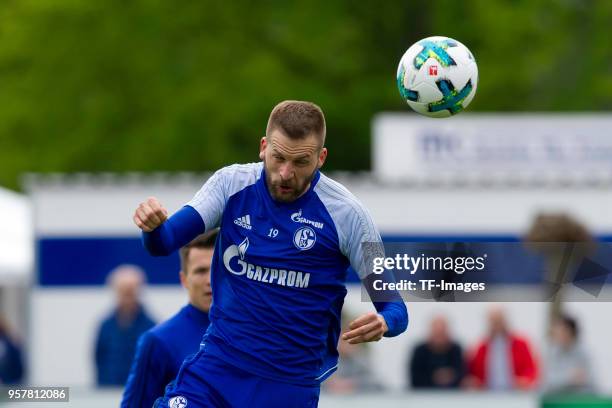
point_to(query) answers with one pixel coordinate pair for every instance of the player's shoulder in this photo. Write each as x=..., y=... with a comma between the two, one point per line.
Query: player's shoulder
x=157, y=340
x=351, y=218
x=152, y=349
x=236, y=177
x=246, y=171
x=148, y=345
x=338, y=200
x=168, y=327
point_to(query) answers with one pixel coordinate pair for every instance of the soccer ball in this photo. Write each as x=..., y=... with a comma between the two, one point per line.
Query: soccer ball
x=437, y=76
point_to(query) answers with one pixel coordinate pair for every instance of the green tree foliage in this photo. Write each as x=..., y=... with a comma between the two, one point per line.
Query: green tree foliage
x=150, y=85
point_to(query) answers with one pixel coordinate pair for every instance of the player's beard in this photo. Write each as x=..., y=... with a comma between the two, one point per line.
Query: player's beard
x=297, y=187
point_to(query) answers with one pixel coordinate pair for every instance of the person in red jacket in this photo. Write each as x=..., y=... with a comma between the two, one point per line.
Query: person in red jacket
x=503, y=360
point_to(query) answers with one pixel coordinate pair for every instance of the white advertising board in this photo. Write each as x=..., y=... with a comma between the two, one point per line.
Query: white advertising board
x=510, y=148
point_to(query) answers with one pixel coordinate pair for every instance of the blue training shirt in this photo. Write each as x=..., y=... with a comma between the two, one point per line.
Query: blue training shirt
x=279, y=270
x=160, y=353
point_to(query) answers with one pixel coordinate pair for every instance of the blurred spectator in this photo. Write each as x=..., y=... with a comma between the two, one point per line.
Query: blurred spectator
x=11, y=360
x=503, y=361
x=353, y=374
x=161, y=351
x=119, y=332
x=567, y=365
x=437, y=362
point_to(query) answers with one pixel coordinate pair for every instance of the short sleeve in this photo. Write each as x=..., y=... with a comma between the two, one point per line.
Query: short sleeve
x=359, y=239
x=363, y=242
x=210, y=200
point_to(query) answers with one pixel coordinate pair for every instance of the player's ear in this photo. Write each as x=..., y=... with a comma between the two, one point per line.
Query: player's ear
x=322, y=157
x=262, y=147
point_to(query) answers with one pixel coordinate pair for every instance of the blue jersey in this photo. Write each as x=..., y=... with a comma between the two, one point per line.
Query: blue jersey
x=279, y=270
x=160, y=353
x=278, y=273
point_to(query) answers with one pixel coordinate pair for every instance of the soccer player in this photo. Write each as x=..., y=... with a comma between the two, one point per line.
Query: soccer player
x=162, y=349
x=288, y=235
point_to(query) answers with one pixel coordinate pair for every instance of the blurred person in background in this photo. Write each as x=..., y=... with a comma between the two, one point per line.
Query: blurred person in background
x=437, y=362
x=354, y=373
x=119, y=332
x=162, y=349
x=567, y=364
x=503, y=361
x=11, y=356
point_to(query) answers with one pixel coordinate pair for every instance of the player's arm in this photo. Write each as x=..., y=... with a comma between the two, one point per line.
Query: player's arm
x=390, y=320
x=362, y=243
x=162, y=235
x=146, y=380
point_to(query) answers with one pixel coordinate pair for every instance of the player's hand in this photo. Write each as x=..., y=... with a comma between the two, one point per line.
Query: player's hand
x=150, y=215
x=369, y=327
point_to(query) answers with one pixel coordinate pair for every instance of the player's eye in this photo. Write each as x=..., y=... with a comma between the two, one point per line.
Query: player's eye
x=279, y=158
x=302, y=162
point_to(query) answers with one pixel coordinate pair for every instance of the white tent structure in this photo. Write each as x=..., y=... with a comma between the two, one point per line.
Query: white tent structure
x=16, y=240
x=16, y=259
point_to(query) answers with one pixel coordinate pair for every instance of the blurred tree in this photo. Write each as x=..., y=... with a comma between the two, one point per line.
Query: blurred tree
x=159, y=85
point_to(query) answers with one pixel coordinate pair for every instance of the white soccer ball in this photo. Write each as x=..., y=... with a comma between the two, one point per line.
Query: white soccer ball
x=438, y=77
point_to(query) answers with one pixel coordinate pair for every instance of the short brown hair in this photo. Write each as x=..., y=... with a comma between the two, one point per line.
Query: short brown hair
x=297, y=120
x=206, y=240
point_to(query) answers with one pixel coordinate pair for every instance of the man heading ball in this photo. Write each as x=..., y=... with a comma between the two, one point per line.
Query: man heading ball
x=288, y=235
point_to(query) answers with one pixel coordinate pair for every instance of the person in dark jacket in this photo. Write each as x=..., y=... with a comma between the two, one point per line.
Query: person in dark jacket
x=437, y=362
x=119, y=332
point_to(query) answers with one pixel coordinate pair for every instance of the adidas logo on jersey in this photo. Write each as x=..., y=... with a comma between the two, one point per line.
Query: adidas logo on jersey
x=244, y=221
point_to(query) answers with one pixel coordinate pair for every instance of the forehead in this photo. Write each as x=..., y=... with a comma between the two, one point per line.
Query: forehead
x=293, y=147
x=127, y=281
x=199, y=256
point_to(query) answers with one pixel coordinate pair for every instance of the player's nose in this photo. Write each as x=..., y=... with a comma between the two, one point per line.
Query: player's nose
x=286, y=171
